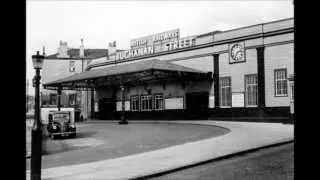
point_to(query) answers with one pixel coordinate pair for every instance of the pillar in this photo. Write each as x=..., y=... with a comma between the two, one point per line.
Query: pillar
x=261, y=81
x=59, y=98
x=216, y=80
x=123, y=100
x=92, y=104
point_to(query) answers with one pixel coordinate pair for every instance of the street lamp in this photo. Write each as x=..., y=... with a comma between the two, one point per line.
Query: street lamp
x=291, y=91
x=123, y=118
x=36, y=148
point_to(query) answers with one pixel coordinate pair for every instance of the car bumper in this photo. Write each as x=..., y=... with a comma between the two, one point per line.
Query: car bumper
x=63, y=133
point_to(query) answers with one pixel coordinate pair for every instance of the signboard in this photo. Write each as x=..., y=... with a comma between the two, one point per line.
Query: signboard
x=211, y=101
x=166, y=36
x=238, y=99
x=174, y=103
x=164, y=41
x=126, y=106
x=134, y=52
x=141, y=42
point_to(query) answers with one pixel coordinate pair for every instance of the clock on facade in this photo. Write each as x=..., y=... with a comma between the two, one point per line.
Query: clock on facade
x=237, y=53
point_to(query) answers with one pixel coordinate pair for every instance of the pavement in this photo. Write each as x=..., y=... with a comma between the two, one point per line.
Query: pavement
x=242, y=137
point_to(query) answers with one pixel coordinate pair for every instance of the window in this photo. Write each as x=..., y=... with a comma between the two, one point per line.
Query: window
x=225, y=92
x=280, y=81
x=72, y=99
x=181, y=43
x=251, y=90
x=72, y=66
x=146, y=103
x=187, y=43
x=134, y=103
x=193, y=42
x=158, y=102
x=168, y=46
x=53, y=99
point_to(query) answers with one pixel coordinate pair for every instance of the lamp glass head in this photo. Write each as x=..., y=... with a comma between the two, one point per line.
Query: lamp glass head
x=37, y=61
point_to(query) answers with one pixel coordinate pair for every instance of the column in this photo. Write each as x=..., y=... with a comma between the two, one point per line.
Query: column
x=92, y=104
x=59, y=98
x=261, y=82
x=123, y=100
x=216, y=80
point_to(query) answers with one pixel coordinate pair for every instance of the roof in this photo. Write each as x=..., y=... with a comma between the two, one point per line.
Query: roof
x=89, y=54
x=126, y=69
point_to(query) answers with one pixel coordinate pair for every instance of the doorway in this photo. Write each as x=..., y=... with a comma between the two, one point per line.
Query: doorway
x=107, y=108
x=197, y=104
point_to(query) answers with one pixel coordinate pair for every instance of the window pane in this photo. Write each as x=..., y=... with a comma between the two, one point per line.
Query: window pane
x=251, y=90
x=225, y=91
x=281, y=87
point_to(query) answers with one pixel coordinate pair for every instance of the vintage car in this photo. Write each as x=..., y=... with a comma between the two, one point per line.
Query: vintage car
x=61, y=124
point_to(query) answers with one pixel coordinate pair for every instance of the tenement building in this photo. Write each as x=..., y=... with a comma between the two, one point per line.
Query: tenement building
x=236, y=74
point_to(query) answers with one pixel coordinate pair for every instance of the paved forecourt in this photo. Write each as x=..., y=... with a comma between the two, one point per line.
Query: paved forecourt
x=243, y=136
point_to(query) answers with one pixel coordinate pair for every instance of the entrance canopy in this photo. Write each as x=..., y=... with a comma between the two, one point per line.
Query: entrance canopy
x=135, y=73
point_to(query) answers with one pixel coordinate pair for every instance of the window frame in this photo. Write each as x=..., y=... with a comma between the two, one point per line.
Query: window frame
x=284, y=80
x=220, y=92
x=245, y=90
x=74, y=100
x=141, y=100
x=51, y=99
x=131, y=102
x=155, y=100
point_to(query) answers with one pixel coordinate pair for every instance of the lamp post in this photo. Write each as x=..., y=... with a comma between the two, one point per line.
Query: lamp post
x=291, y=91
x=36, y=148
x=123, y=118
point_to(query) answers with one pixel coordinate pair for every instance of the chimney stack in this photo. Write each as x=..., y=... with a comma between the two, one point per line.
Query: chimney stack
x=112, y=48
x=63, y=50
x=43, y=51
x=81, y=49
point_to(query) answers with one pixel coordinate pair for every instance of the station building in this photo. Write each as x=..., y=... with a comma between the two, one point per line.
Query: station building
x=238, y=74
x=66, y=62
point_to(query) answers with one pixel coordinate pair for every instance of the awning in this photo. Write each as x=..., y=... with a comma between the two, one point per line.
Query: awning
x=130, y=74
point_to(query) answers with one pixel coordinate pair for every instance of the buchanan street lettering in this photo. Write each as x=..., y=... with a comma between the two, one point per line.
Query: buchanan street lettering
x=160, y=42
x=134, y=52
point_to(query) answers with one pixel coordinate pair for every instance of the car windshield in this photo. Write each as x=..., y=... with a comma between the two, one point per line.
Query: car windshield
x=61, y=117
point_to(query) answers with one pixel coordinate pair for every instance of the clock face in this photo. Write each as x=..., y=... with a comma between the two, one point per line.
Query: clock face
x=237, y=52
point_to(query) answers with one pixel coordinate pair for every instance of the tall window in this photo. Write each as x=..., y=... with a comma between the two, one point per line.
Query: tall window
x=193, y=42
x=251, y=90
x=225, y=92
x=158, y=102
x=134, y=100
x=53, y=99
x=181, y=44
x=280, y=81
x=72, y=66
x=72, y=99
x=187, y=43
x=146, y=102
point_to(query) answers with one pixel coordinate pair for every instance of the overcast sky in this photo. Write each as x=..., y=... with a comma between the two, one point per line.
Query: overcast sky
x=100, y=22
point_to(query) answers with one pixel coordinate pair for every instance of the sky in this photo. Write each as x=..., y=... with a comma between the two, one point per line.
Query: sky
x=101, y=22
